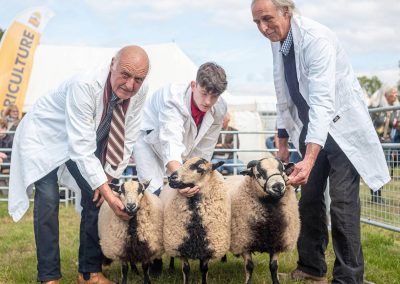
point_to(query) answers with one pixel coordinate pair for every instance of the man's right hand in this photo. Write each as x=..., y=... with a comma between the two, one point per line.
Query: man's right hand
x=114, y=202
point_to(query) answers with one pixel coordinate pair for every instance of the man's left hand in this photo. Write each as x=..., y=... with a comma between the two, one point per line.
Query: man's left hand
x=302, y=170
x=300, y=174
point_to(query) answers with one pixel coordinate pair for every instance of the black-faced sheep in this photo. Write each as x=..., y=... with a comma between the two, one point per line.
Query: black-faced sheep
x=265, y=216
x=197, y=227
x=136, y=240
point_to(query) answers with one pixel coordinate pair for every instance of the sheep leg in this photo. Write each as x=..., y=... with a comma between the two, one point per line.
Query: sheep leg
x=273, y=267
x=134, y=268
x=185, y=270
x=171, y=264
x=224, y=258
x=204, y=270
x=124, y=272
x=249, y=266
x=146, y=275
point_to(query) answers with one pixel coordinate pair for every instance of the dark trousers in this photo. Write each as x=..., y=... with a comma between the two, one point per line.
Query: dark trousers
x=46, y=226
x=344, y=187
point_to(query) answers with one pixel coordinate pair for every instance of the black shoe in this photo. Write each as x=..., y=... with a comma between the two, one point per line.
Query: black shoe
x=156, y=268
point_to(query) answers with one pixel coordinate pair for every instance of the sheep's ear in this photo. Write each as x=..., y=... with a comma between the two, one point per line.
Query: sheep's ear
x=288, y=168
x=217, y=165
x=248, y=172
x=252, y=164
x=116, y=188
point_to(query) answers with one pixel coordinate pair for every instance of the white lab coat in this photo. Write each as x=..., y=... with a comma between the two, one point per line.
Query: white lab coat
x=174, y=135
x=61, y=126
x=337, y=103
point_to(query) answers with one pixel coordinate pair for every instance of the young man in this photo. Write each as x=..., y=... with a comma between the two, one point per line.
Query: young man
x=84, y=129
x=180, y=122
x=321, y=107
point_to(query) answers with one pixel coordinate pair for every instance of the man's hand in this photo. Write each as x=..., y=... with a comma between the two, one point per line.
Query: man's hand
x=189, y=191
x=98, y=198
x=302, y=170
x=113, y=201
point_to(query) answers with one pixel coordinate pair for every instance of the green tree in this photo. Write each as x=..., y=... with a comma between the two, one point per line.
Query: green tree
x=370, y=85
x=1, y=33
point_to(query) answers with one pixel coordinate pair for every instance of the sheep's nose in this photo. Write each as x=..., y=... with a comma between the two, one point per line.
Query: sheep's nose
x=278, y=187
x=130, y=207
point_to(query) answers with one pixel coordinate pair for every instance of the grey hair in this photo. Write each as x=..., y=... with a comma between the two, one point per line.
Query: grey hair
x=212, y=77
x=280, y=4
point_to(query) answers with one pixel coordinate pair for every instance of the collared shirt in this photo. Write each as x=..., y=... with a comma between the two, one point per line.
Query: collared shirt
x=287, y=43
x=197, y=114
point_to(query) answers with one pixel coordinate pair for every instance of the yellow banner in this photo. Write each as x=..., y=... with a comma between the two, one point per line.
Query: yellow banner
x=17, y=51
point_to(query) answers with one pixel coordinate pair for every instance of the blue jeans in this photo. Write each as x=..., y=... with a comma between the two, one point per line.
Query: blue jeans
x=226, y=168
x=46, y=226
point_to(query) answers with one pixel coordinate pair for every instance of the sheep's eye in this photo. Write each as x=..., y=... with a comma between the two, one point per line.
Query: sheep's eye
x=258, y=175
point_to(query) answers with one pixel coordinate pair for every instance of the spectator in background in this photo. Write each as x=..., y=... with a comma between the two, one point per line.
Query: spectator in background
x=272, y=142
x=11, y=115
x=386, y=124
x=226, y=141
x=6, y=141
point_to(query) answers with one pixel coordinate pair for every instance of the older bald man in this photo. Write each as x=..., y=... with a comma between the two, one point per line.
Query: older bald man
x=83, y=131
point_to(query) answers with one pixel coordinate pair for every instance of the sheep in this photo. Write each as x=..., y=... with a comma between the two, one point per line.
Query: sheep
x=265, y=215
x=196, y=227
x=136, y=240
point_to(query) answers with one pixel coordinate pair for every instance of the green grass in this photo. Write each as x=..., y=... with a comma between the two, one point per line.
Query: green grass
x=18, y=258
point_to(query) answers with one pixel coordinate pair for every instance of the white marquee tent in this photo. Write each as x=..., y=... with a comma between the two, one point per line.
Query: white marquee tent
x=53, y=64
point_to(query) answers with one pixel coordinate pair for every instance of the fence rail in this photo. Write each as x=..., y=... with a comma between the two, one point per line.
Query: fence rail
x=382, y=210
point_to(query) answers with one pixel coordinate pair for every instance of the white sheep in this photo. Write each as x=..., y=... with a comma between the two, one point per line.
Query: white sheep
x=136, y=240
x=265, y=215
x=197, y=227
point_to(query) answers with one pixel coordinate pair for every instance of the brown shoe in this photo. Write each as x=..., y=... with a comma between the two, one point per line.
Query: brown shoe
x=51, y=282
x=95, y=278
x=298, y=275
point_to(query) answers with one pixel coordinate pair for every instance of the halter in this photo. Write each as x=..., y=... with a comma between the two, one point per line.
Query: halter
x=266, y=181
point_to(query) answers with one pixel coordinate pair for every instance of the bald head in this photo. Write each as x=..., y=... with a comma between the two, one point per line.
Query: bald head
x=129, y=69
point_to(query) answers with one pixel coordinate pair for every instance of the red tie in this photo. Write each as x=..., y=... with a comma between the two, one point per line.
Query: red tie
x=116, y=137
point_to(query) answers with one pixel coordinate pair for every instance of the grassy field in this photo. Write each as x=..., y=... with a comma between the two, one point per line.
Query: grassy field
x=18, y=260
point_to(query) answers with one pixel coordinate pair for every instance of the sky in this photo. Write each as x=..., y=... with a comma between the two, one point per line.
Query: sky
x=222, y=31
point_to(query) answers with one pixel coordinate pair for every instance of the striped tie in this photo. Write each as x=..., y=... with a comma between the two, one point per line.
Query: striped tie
x=116, y=137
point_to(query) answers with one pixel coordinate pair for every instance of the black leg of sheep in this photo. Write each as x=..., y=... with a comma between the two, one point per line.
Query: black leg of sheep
x=273, y=267
x=124, y=272
x=171, y=264
x=204, y=270
x=146, y=275
x=249, y=266
x=134, y=268
x=185, y=270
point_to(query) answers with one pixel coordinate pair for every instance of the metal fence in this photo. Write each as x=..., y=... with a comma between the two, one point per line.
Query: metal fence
x=381, y=209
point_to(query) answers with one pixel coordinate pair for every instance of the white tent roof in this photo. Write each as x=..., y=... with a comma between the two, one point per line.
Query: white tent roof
x=54, y=64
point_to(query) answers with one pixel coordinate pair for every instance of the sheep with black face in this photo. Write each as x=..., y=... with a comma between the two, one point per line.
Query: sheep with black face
x=265, y=216
x=197, y=227
x=136, y=240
